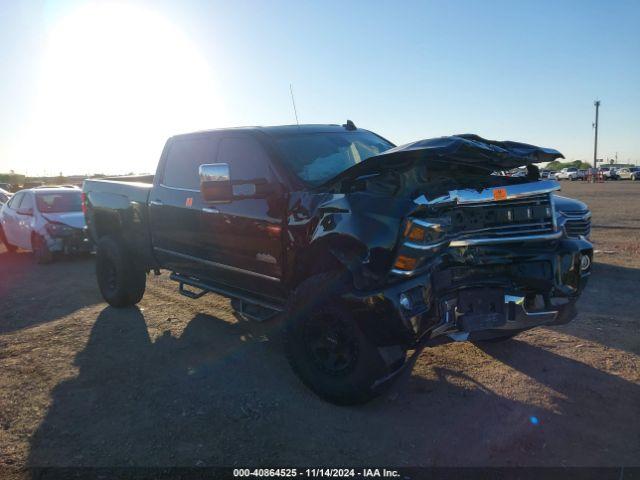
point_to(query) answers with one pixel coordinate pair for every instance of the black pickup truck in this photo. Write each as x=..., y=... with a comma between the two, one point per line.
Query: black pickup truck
x=363, y=249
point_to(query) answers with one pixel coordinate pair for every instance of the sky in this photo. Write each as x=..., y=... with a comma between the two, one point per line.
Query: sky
x=97, y=87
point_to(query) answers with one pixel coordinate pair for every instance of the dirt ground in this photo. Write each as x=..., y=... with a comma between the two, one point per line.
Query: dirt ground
x=182, y=382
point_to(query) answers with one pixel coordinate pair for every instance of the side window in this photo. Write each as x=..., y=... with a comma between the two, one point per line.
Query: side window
x=246, y=158
x=185, y=157
x=27, y=201
x=14, y=203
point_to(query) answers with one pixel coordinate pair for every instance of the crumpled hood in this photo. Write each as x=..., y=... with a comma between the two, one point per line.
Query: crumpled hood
x=72, y=219
x=466, y=149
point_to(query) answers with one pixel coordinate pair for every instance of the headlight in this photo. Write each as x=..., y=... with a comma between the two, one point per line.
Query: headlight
x=422, y=237
x=58, y=229
x=424, y=233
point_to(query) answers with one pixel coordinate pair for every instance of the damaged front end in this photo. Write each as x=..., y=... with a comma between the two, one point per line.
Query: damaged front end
x=66, y=239
x=477, y=268
x=488, y=258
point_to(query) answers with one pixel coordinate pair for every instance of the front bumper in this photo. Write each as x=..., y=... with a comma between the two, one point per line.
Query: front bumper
x=489, y=293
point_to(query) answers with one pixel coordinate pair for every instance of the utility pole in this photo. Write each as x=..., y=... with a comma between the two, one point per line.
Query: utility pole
x=595, y=143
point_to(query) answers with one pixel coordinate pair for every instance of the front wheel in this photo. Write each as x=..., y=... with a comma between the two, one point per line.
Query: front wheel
x=327, y=349
x=121, y=281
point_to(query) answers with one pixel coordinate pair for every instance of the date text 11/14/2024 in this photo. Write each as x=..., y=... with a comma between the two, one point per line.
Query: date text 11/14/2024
x=317, y=472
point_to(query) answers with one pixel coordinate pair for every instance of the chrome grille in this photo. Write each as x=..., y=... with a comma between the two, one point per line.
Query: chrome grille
x=577, y=223
x=525, y=216
x=468, y=218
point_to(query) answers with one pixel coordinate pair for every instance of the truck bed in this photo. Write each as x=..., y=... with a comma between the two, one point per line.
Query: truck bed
x=121, y=207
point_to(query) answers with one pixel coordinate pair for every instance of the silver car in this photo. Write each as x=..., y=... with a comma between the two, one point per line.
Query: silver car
x=45, y=221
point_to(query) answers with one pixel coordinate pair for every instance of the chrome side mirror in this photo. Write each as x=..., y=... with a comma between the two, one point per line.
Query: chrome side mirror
x=215, y=182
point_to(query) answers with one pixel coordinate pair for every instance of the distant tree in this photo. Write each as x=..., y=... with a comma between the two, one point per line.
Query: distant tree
x=556, y=165
x=12, y=178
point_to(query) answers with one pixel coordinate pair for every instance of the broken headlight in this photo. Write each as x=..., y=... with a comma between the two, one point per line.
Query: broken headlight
x=420, y=236
x=423, y=234
x=58, y=229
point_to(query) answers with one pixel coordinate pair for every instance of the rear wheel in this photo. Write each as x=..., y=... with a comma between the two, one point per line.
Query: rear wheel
x=40, y=249
x=121, y=281
x=327, y=349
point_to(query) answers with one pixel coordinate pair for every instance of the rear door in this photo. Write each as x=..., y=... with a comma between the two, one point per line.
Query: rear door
x=175, y=203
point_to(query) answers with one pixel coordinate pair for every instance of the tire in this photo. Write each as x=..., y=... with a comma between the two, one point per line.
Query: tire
x=121, y=281
x=3, y=239
x=41, y=252
x=326, y=348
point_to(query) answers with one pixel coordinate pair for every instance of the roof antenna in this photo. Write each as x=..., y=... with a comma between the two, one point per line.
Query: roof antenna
x=350, y=125
x=293, y=101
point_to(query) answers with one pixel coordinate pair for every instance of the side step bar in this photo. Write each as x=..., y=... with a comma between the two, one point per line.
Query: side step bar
x=223, y=290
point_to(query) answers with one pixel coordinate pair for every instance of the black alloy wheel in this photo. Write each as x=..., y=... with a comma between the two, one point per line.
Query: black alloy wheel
x=331, y=343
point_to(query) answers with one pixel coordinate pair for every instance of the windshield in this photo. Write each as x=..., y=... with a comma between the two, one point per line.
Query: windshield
x=318, y=157
x=59, y=202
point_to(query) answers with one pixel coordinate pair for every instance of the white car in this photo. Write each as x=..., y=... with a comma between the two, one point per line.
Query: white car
x=609, y=173
x=570, y=173
x=45, y=221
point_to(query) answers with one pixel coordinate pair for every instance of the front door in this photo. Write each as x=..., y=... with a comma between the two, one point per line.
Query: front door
x=26, y=220
x=244, y=237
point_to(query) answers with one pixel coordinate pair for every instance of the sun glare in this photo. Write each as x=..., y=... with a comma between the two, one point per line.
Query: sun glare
x=116, y=81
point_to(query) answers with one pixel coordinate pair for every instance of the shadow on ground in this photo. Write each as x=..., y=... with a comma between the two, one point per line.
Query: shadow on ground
x=609, y=308
x=221, y=394
x=35, y=294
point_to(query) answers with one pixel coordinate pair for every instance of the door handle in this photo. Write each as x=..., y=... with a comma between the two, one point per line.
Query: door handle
x=210, y=210
x=156, y=202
